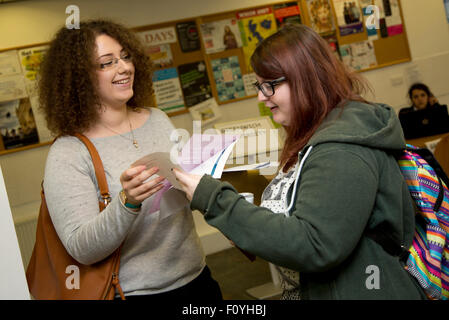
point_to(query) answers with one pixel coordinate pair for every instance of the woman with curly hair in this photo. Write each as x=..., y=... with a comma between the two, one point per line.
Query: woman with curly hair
x=96, y=80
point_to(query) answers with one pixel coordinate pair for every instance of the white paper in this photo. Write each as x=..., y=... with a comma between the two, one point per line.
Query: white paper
x=213, y=165
x=9, y=63
x=248, y=81
x=12, y=88
x=162, y=161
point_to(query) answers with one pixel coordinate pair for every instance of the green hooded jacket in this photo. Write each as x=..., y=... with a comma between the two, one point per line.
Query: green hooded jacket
x=350, y=183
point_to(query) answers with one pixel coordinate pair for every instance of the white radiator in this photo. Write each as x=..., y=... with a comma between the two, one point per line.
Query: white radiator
x=26, y=235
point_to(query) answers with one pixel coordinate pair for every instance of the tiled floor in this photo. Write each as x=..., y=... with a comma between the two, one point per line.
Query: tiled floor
x=235, y=273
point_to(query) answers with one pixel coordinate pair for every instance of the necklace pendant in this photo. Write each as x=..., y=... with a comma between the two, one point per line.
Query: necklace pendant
x=136, y=145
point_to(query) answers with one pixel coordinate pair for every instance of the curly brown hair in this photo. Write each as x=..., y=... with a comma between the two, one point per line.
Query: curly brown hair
x=68, y=82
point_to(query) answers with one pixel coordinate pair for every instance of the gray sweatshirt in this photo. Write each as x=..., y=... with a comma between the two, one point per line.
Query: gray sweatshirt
x=161, y=249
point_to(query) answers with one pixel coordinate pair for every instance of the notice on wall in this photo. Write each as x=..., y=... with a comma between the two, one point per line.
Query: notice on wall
x=167, y=90
x=393, y=18
x=221, y=35
x=188, y=36
x=156, y=37
x=228, y=78
x=194, y=83
x=9, y=63
x=287, y=13
x=321, y=17
x=17, y=124
x=12, y=87
x=12, y=272
x=349, y=17
x=30, y=60
x=358, y=55
x=255, y=26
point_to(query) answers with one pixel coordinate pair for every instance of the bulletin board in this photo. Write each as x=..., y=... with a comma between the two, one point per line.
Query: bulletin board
x=206, y=58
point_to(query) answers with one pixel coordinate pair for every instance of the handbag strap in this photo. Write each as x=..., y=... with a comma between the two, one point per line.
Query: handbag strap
x=98, y=166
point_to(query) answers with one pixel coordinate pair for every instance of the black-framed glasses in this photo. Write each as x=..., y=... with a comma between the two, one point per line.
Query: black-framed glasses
x=112, y=62
x=267, y=87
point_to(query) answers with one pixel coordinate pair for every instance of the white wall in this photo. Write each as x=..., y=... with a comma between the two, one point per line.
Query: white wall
x=29, y=22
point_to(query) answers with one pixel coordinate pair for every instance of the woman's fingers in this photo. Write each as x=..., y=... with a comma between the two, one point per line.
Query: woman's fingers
x=188, y=182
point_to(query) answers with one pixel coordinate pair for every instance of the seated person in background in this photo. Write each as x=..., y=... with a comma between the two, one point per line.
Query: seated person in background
x=426, y=116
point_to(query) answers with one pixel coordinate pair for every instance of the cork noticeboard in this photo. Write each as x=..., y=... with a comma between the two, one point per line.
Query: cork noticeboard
x=193, y=63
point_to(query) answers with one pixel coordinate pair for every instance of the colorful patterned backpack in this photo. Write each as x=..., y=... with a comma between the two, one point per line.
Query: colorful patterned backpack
x=428, y=258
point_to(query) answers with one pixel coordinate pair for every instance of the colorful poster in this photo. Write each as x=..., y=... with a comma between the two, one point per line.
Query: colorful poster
x=221, y=35
x=349, y=17
x=393, y=18
x=321, y=17
x=194, y=83
x=188, y=36
x=30, y=60
x=160, y=55
x=287, y=13
x=167, y=90
x=228, y=78
x=17, y=125
x=359, y=55
x=255, y=25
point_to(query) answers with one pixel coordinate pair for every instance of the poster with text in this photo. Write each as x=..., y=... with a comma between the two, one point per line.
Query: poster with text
x=358, y=55
x=30, y=60
x=9, y=63
x=12, y=87
x=156, y=37
x=255, y=25
x=188, y=36
x=160, y=55
x=321, y=17
x=287, y=13
x=228, y=78
x=194, y=83
x=221, y=35
x=393, y=18
x=17, y=125
x=167, y=90
x=349, y=17
x=369, y=12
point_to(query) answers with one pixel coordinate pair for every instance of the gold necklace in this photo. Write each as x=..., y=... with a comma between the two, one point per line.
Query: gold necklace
x=133, y=140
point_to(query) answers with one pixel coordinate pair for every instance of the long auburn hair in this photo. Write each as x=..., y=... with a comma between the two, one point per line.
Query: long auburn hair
x=68, y=82
x=318, y=81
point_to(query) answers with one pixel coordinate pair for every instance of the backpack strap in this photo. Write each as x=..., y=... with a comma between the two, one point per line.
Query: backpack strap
x=98, y=166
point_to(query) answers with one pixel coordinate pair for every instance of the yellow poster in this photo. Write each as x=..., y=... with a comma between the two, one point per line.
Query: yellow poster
x=31, y=59
x=255, y=25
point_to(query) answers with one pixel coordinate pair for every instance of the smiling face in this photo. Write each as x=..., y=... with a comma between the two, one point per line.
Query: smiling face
x=280, y=103
x=420, y=99
x=115, y=81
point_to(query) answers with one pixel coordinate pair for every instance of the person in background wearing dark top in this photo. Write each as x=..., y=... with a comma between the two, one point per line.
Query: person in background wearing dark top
x=337, y=180
x=425, y=117
x=421, y=98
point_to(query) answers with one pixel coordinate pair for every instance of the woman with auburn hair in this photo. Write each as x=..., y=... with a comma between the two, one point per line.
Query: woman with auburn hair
x=337, y=180
x=96, y=81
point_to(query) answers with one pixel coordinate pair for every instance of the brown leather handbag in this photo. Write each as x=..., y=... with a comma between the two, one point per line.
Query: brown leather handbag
x=52, y=273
